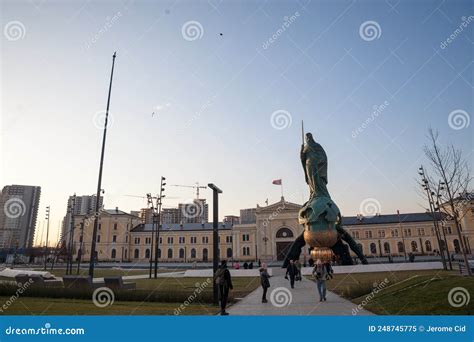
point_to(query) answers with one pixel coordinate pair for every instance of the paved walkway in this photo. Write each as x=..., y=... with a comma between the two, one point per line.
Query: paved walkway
x=302, y=300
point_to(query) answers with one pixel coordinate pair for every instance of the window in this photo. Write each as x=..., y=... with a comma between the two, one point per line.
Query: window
x=100, y=226
x=114, y=238
x=159, y=252
x=229, y=252
x=193, y=253
x=170, y=240
x=281, y=233
x=355, y=234
x=408, y=232
x=246, y=237
x=447, y=230
x=182, y=239
x=161, y=240
x=205, y=254
x=414, y=246
x=400, y=247
x=137, y=241
x=394, y=232
x=246, y=251
x=115, y=226
x=98, y=238
x=421, y=231
x=170, y=253
x=112, y=254
x=428, y=246
x=205, y=239
x=381, y=233
x=125, y=254
x=457, y=246
x=147, y=254
x=126, y=239
x=181, y=253
x=386, y=247
x=228, y=239
x=193, y=239
x=368, y=234
x=136, y=254
x=373, y=248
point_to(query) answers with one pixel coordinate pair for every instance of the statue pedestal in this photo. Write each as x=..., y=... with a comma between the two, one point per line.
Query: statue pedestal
x=322, y=253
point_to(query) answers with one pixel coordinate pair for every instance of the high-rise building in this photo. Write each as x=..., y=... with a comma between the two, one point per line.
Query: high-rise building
x=19, y=210
x=248, y=215
x=170, y=215
x=82, y=205
x=196, y=211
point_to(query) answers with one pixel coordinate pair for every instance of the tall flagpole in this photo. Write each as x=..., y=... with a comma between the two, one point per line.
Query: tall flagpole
x=99, y=182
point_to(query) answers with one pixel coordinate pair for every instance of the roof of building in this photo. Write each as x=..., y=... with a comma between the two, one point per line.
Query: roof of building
x=184, y=227
x=117, y=211
x=392, y=218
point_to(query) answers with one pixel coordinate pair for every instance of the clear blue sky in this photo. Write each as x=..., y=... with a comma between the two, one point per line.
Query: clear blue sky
x=214, y=96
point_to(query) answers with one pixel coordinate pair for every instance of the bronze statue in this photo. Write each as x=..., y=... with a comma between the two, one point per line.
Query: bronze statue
x=320, y=215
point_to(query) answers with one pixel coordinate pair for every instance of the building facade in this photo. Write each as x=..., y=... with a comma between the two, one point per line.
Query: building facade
x=124, y=237
x=18, y=216
x=78, y=205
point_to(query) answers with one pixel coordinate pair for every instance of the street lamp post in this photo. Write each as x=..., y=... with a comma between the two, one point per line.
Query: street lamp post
x=215, y=235
x=99, y=182
x=158, y=219
x=47, y=237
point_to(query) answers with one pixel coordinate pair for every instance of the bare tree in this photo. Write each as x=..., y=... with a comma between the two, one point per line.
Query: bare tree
x=448, y=164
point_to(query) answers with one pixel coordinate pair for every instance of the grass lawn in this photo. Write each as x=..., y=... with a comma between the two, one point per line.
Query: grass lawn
x=103, y=272
x=160, y=296
x=404, y=292
x=53, y=306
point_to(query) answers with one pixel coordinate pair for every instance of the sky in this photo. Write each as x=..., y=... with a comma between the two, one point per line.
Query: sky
x=229, y=83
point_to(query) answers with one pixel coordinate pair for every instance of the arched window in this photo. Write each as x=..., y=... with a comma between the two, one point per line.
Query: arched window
x=457, y=246
x=414, y=246
x=373, y=248
x=136, y=254
x=205, y=256
x=193, y=253
x=401, y=249
x=147, y=254
x=125, y=255
x=284, y=233
x=170, y=253
x=386, y=247
x=229, y=252
x=428, y=246
x=181, y=253
x=112, y=254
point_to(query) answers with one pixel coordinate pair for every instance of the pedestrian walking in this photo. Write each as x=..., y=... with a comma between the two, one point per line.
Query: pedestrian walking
x=320, y=273
x=264, y=281
x=224, y=284
x=291, y=271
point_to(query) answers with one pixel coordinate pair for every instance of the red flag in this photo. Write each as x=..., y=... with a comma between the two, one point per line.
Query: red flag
x=277, y=182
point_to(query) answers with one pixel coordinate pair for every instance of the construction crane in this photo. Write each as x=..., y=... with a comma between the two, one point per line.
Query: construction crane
x=197, y=187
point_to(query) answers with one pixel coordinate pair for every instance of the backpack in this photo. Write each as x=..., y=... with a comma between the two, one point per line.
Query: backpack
x=220, y=276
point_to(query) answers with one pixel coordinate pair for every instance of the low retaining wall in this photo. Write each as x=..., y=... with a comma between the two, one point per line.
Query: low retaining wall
x=234, y=273
x=412, y=266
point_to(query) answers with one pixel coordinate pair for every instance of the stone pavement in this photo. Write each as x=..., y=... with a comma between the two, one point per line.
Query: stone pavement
x=285, y=301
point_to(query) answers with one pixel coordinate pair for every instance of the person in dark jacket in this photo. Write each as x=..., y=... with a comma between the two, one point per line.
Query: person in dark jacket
x=246, y=266
x=264, y=281
x=224, y=284
x=291, y=271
